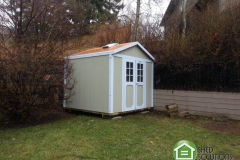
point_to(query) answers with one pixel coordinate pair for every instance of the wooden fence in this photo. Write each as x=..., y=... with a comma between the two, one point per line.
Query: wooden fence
x=200, y=103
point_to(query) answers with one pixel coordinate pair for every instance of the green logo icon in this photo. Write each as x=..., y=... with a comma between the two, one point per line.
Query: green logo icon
x=185, y=150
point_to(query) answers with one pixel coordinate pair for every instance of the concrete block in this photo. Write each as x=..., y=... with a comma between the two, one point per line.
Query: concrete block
x=145, y=112
x=183, y=114
x=220, y=118
x=117, y=117
x=172, y=108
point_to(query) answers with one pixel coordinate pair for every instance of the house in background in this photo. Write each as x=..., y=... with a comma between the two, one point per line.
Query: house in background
x=178, y=11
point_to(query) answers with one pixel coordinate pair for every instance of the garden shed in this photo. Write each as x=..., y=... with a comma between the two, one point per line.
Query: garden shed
x=112, y=79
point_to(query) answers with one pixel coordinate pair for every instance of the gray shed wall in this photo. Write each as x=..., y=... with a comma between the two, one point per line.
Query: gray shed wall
x=117, y=85
x=92, y=87
x=135, y=52
x=149, y=87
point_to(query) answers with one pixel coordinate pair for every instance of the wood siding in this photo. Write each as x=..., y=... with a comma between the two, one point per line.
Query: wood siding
x=135, y=52
x=92, y=87
x=200, y=103
x=149, y=87
x=117, y=85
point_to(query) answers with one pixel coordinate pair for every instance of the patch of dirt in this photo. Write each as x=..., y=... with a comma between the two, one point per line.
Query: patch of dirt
x=232, y=127
x=46, y=116
x=157, y=113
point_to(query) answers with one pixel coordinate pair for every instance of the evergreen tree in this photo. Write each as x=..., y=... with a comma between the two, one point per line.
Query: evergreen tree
x=101, y=10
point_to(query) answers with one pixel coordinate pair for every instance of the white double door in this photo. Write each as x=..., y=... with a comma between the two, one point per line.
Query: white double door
x=134, y=85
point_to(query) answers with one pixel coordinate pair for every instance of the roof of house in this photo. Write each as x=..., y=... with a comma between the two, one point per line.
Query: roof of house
x=170, y=14
x=111, y=50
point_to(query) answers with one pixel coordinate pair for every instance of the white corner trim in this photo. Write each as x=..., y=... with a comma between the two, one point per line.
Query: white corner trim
x=145, y=84
x=111, y=71
x=64, y=82
x=152, y=78
x=123, y=83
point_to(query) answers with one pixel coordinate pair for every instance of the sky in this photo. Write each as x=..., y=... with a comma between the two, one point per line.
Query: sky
x=166, y=2
x=156, y=8
x=165, y=5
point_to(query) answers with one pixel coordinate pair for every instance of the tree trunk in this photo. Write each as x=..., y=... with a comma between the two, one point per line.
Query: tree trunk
x=184, y=17
x=19, y=29
x=135, y=28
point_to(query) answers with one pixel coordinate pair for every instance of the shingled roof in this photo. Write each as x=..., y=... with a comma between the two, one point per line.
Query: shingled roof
x=109, y=50
x=172, y=15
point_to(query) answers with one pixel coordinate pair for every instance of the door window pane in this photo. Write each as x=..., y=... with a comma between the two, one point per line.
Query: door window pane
x=131, y=78
x=139, y=72
x=129, y=71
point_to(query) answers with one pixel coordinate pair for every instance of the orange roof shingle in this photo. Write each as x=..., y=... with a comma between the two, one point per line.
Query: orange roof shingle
x=100, y=49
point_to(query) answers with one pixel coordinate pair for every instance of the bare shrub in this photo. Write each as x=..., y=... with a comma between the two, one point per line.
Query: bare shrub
x=113, y=32
x=210, y=36
x=32, y=63
x=210, y=45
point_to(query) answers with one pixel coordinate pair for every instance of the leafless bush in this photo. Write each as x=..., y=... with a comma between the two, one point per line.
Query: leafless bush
x=211, y=36
x=114, y=32
x=32, y=64
x=205, y=57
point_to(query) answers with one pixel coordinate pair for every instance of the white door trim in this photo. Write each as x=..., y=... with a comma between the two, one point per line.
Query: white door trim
x=131, y=83
x=134, y=83
x=143, y=83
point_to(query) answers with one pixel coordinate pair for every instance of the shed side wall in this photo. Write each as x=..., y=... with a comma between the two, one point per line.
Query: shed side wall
x=149, y=81
x=117, y=83
x=91, y=89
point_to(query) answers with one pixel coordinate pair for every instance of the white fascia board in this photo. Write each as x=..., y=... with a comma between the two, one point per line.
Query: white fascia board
x=90, y=55
x=139, y=59
x=131, y=45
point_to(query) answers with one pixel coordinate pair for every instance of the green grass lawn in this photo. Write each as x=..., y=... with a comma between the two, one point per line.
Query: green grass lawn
x=148, y=136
